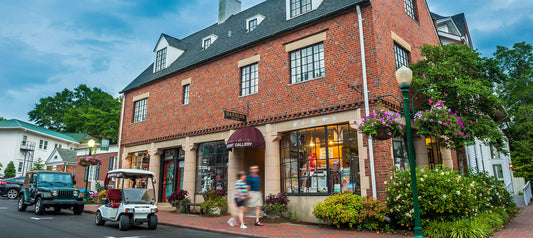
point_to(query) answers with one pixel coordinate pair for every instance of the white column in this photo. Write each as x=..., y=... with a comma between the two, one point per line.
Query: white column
x=189, y=171
x=272, y=161
x=154, y=166
x=421, y=151
x=447, y=160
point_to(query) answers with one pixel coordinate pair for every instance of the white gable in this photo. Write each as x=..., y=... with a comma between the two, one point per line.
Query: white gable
x=173, y=53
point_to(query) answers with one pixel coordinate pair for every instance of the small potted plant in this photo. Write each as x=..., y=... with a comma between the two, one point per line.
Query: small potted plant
x=382, y=125
x=214, y=201
x=441, y=121
x=177, y=198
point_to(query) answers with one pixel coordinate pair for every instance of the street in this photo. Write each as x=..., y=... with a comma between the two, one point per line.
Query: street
x=14, y=224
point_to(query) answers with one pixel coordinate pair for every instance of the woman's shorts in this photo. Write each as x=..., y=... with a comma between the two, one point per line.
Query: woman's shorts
x=239, y=203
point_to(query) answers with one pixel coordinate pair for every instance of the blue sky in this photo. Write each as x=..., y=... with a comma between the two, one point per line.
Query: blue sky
x=46, y=46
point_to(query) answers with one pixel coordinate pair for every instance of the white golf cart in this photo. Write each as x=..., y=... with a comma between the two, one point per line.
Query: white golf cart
x=134, y=204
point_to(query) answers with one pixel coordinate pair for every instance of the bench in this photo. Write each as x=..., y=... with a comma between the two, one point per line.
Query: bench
x=188, y=205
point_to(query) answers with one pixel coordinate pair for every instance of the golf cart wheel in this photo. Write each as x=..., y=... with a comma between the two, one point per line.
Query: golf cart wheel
x=39, y=206
x=21, y=205
x=77, y=209
x=98, y=219
x=124, y=223
x=152, y=222
x=12, y=193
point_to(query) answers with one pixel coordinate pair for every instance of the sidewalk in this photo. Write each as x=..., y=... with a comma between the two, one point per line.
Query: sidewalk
x=520, y=226
x=288, y=230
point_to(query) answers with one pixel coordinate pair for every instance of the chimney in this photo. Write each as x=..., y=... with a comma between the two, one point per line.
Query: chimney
x=226, y=8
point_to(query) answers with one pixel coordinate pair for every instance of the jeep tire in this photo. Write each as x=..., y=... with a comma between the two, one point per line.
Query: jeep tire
x=21, y=205
x=152, y=222
x=124, y=223
x=39, y=206
x=78, y=209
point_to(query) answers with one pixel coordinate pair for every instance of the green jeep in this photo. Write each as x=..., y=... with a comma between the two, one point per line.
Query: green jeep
x=46, y=189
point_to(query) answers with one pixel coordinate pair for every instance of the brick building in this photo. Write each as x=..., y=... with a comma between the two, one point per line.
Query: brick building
x=296, y=71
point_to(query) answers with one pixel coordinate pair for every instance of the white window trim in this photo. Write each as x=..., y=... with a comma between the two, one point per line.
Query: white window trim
x=314, y=5
x=259, y=18
x=212, y=37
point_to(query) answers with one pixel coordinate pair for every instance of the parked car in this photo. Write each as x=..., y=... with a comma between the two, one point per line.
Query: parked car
x=11, y=187
x=45, y=189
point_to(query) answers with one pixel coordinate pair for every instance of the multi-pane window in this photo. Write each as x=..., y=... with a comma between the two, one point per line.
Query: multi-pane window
x=401, y=56
x=498, y=171
x=20, y=167
x=307, y=63
x=111, y=160
x=207, y=43
x=186, y=93
x=45, y=145
x=410, y=8
x=401, y=157
x=140, y=109
x=249, y=79
x=494, y=154
x=299, y=7
x=41, y=142
x=160, y=59
x=252, y=24
x=320, y=160
x=212, y=166
x=434, y=155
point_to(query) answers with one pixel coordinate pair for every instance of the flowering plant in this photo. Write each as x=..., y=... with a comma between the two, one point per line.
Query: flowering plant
x=377, y=123
x=276, y=204
x=89, y=160
x=441, y=121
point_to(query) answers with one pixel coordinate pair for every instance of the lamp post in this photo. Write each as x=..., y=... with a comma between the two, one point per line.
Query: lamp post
x=91, y=144
x=404, y=76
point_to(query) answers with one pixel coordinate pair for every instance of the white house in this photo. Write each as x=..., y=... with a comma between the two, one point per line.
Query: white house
x=481, y=157
x=25, y=143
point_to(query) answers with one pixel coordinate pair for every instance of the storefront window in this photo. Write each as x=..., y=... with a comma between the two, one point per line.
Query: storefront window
x=140, y=160
x=212, y=166
x=434, y=155
x=320, y=160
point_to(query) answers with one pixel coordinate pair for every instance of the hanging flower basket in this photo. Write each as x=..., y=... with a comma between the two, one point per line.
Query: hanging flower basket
x=382, y=134
x=382, y=125
x=441, y=121
x=83, y=163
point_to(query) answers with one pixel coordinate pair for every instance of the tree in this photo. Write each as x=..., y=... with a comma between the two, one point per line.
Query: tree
x=2, y=119
x=38, y=165
x=464, y=82
x=1, y=166
x=517, y=93
x=82, y=110
x=10, y=171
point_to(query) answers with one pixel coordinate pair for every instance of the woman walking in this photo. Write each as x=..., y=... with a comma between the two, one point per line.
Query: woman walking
x=241, y=195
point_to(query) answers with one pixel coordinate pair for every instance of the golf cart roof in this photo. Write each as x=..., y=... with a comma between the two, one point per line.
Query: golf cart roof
x=129, y=173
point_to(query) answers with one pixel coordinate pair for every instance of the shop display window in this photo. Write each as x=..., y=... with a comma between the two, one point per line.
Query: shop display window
x=320, y=160
x=212, y=166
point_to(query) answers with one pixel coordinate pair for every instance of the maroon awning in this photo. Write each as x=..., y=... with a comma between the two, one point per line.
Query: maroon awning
x=246, y=137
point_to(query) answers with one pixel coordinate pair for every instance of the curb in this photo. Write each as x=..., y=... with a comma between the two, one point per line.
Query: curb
x=200, y=228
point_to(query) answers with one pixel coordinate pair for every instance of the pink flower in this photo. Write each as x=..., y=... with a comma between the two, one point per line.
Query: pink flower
x=430, y=101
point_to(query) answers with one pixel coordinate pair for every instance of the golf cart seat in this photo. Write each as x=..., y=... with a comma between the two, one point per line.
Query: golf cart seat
x=115, y=196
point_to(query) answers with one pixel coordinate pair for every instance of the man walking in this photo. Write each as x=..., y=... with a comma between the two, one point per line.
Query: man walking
x=256, y=198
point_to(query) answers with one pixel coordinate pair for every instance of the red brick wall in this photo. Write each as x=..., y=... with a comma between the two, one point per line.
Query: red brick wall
x=215, y=85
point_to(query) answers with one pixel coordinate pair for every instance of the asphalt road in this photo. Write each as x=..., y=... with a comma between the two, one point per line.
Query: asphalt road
x=15, y=224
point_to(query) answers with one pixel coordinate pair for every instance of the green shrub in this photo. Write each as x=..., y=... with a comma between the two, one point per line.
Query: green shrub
x=347, y=209
x=482, y=225
x=444, y=195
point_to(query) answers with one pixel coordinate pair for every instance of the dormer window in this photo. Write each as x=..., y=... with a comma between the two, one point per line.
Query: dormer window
x=160, y=59
x=207, y=41
x=299, y=7
x=252, y=24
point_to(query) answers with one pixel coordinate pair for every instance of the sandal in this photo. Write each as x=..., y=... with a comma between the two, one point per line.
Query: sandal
x=258, y=224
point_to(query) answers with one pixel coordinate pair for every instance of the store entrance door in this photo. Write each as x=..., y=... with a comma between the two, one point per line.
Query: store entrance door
x=168, y=180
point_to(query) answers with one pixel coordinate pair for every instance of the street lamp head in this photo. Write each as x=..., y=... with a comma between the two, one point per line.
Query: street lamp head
x=404, y=76
x=91, y=143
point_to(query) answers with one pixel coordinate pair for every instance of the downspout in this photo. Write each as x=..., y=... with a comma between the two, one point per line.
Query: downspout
x=120, y=128
x=365, y=93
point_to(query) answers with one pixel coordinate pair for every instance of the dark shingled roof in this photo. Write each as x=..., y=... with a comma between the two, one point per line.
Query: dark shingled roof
x=274, y=23
x=459, y=20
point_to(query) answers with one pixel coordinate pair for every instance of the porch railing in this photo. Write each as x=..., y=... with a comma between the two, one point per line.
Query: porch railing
x=527, y=193
x=509, y=187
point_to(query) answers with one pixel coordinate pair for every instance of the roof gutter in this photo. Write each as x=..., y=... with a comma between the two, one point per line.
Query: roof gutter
x=288, y=29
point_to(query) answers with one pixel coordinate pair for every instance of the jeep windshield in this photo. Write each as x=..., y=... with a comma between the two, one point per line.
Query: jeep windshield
x=55, y=179
x=138, y=195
